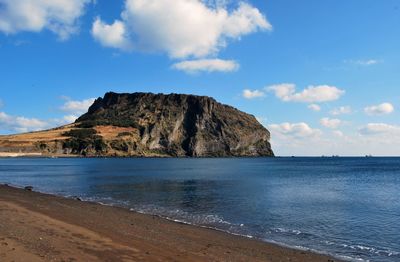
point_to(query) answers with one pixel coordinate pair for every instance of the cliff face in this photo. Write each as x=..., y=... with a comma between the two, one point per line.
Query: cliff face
x=145, y=124
x=176, y=125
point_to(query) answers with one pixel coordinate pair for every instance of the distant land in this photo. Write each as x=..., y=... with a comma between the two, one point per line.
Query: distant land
x=149, y=125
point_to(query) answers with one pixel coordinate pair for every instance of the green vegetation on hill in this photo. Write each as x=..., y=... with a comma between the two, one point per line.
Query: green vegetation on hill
x=83, y=140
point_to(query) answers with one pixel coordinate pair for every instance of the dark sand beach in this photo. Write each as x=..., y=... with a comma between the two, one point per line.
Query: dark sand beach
x=41, y=227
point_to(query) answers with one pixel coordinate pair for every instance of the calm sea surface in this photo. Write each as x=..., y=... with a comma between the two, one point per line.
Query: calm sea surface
x=347, y=207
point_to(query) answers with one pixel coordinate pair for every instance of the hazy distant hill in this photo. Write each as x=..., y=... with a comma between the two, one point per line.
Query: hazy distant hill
x=145, y=124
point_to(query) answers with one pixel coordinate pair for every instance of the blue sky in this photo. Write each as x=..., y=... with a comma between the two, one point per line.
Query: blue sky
x=322, y=76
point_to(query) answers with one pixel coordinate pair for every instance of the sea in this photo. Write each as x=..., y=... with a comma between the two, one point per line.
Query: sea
x=345, y=207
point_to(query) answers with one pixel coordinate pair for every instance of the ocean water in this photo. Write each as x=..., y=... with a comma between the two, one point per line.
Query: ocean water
x=346, y=207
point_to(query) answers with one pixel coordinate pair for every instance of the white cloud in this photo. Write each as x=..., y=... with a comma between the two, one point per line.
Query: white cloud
x=378, y=139
x=330, y=122
x=262, y=120
x=296, y=130
x=314, y=107
x=181, y=28
x=339, y=143
x=77, y=107
x=380, y=128
x=58, y=16
x=293, y=138
x=283, y=91
x=113, y=35
x=67, y=119
x=338, y=133
x=20, y=123
x=299, y=139
x=343, y=110
x=207, y=65
x=382, y=109
x=250, y=94
x=70, y=118
x=366, y=62
x=312, y=94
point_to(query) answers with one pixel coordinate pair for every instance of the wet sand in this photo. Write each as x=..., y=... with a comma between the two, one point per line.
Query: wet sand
x=40, y=227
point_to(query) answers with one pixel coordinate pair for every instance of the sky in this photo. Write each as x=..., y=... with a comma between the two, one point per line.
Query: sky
x=322, y=76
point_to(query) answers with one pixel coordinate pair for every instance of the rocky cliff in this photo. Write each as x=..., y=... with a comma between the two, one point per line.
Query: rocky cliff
x=145, y=124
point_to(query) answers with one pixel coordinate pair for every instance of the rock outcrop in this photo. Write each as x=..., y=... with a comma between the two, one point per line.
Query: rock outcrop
x=146, y=124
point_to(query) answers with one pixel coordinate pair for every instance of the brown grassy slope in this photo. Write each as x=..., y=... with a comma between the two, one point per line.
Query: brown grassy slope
x=53, y=139
x=30, y=142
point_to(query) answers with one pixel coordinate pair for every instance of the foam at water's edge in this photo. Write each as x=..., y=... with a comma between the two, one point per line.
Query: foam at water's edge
x=292, y=231
x=340, y=257
x=109, y=201
x=283, y=230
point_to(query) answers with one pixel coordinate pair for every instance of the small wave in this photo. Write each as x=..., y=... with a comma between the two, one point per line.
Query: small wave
x=183, y=216
x=289, y=231
x=213, y=221
x=351, y=259
x=364, y=249
x=374, y=250
x=194, y=224
x=107, y=201
x=316, y=251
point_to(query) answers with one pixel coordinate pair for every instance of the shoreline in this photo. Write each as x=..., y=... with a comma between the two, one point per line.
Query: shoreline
x=16, y=155
x=42, y=227
x=42, y=155
x=7, y=155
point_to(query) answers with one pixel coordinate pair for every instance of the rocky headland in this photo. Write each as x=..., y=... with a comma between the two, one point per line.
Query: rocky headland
x=150, y=125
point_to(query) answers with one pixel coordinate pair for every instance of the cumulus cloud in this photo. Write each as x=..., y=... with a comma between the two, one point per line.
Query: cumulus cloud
x=378, y=139
x=343, y=110
x=314, y=107
x=20, y=124
x=294, y=138
x=380, y=128
x=296, y=130
x=69, y=118
x=250, y=94
x=113, y=35
x=283, y=91
x=58, y=16
x=330, y=122
x=382, y=109
x=76, y=107
x=180, y=28
x=338, y=133
x=312, y=94
x=206, y=65
x=64, y=120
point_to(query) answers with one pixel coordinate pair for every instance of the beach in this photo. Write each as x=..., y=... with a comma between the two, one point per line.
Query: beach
x=11, y=154
x=42, y=227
